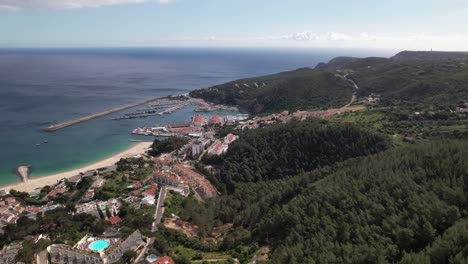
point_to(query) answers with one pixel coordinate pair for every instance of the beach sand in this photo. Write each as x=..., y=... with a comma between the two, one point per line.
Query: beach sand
x=39, y=182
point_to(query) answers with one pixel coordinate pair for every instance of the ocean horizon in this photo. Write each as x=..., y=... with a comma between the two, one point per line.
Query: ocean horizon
x=41, y=87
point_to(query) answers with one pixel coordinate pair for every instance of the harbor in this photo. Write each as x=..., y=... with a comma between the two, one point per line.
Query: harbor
x=93, y=116
x=155, y=106
x=162, y=107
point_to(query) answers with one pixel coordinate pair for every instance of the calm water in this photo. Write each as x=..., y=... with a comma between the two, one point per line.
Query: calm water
x=42, y=87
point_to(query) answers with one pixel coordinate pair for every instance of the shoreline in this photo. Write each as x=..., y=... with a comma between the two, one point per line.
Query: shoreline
x=41, y=181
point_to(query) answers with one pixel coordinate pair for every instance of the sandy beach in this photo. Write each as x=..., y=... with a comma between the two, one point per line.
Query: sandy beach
x=39, y=182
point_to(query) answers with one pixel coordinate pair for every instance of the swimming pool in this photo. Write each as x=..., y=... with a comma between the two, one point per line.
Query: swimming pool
x=99, y=245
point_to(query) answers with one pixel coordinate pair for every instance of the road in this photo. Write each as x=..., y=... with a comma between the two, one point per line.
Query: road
x=159, y=209
x=356, y=87
x=157, y=220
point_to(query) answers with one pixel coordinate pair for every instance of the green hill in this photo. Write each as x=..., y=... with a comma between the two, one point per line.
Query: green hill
x=435, y=83
x=300, y=89
x=399, y=205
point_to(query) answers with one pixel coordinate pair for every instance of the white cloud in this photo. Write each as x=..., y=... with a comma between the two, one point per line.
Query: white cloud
x=68, y=4
x=418, y=41
x=310, y=36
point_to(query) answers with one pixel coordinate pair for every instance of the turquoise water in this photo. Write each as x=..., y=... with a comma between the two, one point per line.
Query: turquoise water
x=43, y=87
x=99, y=245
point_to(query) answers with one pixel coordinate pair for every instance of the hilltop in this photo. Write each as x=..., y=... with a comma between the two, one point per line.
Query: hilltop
x=430, y=55
x=431, y=82
x=299, y=89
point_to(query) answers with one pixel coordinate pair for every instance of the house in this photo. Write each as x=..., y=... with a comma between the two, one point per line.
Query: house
x=149, y=192
x=56, y=192
x=115, y=220
x=8, y=253
x=75, y=179
x=135, y=192
x=197, y=148
x=137, y=185
x=89, y=195
x=10, y=200
x=133, y=242
x=199, y=120
x=163, y=178
x=163, y=161
x=216, y=120
x=63, y=254
x=148, y=200
x=163, y=260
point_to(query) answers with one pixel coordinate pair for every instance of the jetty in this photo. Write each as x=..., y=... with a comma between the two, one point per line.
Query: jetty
x=93, y=116
x=23, y=172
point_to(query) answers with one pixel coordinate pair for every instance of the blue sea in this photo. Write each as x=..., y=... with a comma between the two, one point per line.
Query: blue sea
x=40, y=87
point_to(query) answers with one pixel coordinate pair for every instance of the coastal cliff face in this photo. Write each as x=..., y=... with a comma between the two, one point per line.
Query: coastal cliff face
x=430, y=55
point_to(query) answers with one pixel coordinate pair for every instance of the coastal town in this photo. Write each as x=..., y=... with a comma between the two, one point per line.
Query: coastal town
x=140, y=183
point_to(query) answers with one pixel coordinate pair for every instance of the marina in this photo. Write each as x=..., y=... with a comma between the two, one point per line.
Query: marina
x=155, y=109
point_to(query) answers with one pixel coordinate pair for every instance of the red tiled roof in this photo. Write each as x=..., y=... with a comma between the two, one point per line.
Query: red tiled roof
x=198, y=119
x=115, y=220
x=163, y=260
x=186, y=124
x=216, y=119
x=54, y=192
x=150, y=192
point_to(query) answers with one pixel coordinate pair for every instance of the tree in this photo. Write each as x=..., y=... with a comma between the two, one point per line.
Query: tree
x=129, y=255
x=101, y=214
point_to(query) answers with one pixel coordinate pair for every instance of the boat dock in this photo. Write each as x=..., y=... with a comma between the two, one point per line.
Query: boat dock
x=175, y=107
x=93, y=116
x=155, y=110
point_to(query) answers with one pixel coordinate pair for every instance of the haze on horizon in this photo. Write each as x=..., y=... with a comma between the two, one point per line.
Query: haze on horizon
x=363, y=24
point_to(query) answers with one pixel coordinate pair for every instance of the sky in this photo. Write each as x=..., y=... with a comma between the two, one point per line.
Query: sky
x=360, y=24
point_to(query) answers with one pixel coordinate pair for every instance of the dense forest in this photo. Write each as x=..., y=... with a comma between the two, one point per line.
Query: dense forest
x=300, y=89
x=283, y=150
x=404, y=204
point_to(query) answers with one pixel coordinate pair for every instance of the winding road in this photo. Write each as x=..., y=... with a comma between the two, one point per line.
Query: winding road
x=356, y=87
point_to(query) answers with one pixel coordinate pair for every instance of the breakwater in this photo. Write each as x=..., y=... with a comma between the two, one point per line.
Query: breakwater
x=93, y=116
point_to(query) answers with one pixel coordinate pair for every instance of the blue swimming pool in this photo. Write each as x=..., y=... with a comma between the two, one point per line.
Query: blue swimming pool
x=99, y=245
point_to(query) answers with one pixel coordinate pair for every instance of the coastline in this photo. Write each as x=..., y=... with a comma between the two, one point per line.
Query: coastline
x=41, y=181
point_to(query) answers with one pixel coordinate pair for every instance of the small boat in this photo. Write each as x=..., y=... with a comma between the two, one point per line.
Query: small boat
x=46, y=141
x=38, y=144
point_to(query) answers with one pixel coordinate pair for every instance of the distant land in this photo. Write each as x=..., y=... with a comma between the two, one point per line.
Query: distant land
x=438, y=78
x=431, y=55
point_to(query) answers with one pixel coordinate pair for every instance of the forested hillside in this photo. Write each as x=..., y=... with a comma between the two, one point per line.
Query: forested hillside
x=374, y=210
x=300, y=89
x=435, y=83
x=406, y=204
x=279, y=151
x=371, y=210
